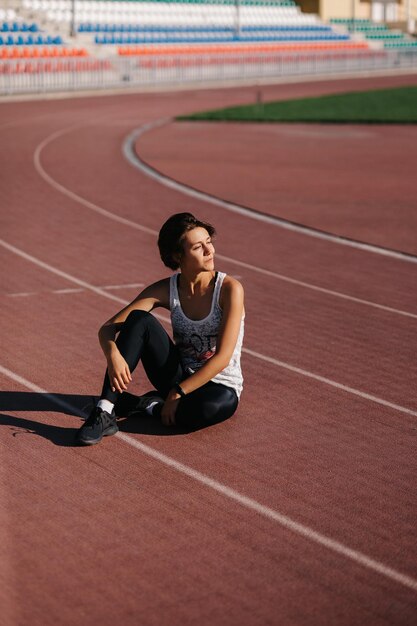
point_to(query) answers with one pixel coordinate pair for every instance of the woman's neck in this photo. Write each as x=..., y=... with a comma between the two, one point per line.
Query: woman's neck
x=193, y=284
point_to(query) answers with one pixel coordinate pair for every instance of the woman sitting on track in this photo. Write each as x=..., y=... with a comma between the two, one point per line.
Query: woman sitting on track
x=198, y=378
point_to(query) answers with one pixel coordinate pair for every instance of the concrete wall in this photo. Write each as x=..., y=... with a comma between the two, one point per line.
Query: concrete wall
x=344, y=8
x=368, y=9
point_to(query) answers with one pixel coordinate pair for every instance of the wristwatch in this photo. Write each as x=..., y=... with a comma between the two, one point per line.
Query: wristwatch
x=180, y=390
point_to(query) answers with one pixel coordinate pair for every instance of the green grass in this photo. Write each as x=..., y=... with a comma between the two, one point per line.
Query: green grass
x=382, y=106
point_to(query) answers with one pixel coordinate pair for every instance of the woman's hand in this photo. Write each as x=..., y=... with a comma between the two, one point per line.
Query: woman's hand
x=119, y=372
x=170, y=407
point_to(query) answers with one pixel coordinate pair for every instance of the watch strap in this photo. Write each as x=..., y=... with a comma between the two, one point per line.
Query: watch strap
x=180, y=390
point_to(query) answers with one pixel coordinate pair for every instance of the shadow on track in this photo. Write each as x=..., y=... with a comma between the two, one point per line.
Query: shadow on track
x=17, y=426
x=34, y=401
x=62, y=436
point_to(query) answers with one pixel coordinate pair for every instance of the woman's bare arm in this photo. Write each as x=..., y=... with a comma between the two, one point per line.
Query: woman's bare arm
x=232, y=303
x=156, y=295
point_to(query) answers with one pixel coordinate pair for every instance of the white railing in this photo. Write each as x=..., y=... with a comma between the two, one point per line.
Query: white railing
x=45, y=75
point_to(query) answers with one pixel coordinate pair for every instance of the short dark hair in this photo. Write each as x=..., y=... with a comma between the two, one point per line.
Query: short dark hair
x=172, y=233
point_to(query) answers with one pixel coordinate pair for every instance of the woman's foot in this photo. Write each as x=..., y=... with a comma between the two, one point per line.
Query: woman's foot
x=99, y=424
x=144, y=405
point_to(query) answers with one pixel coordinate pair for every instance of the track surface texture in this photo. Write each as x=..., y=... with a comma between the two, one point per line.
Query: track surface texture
x=301, y=508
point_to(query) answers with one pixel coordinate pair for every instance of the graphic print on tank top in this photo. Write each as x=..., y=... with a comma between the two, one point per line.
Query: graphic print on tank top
x=196, y=339
x=196, y=348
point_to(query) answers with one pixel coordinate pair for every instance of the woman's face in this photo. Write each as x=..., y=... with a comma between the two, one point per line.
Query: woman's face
x=198, y=251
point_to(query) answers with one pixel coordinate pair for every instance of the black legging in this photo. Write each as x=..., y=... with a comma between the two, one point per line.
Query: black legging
x=142, y=337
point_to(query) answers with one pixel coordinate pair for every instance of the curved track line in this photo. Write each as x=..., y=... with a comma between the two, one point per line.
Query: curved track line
x=286, y=522
x=126, y=222
x=252, y=353
x=132, y=156
x=71, y=194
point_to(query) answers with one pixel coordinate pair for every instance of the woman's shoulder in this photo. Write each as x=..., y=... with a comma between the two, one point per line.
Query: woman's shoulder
x=231, y=284
x=159, y=285
x=159, y=290
x=231, y=289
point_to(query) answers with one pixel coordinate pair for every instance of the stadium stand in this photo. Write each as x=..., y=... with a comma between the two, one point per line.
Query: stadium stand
x=128, y=36
x=376, y=33
x=40, y=53
x=21, y=39
x=106, y=28
x=138, y=23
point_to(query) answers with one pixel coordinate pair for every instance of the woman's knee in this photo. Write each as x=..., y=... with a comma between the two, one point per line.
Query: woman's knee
x=136, y=324
x=136, y=317
x=217, y=413
x=137, y=314
x=215, y=407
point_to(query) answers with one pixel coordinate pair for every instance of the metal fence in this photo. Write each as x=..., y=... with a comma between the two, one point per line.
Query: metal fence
x=76, y=74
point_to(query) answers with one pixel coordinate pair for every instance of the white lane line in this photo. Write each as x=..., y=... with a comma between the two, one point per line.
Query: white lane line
x=256, y=355
x=71, y=194
x=127, y=286
x=66, y=291
x=58, y=272
x=329, y=292
x=249, y=503
x=94, y=207
x=133, y=158
x=52, y=397
x=328, y=381
x=73, y=290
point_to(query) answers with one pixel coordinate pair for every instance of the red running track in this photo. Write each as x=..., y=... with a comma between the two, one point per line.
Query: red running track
x=356, y=181
x=301, y=508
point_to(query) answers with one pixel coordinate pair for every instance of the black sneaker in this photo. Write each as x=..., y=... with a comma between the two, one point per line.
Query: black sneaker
x=142, y=403
x=98, y=425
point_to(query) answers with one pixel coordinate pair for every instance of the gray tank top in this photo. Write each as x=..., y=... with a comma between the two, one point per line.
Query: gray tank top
x=196, y=339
